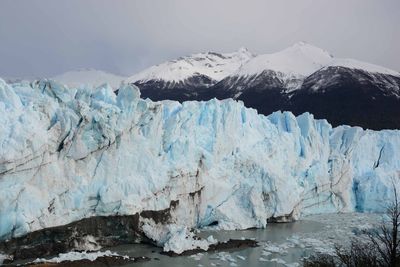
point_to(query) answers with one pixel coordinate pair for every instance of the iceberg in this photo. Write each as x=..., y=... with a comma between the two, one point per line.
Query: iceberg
x=68, y=154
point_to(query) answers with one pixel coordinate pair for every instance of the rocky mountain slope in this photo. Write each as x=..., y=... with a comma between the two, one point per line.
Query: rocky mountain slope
x=190, y=77
x=301, y=78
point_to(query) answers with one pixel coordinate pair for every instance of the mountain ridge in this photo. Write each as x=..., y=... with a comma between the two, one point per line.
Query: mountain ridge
x=301, y=78
x=301, y=59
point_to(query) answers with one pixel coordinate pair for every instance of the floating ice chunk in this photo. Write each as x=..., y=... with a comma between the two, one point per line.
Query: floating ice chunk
x=74, y=256
x=180, y=239
x=280, y=249
x=4, y=257
x=241, y=257
x=211, y=240
x=225, y=256
x=266, y=253
x=197, y=256
x=277, y=260
x=88, y=243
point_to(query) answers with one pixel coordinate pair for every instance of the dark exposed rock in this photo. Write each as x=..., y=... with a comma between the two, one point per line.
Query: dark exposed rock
x=160, y=216
x=99, y=262
x=189, y=89
x=280, y=219
x=213, y=223
x=351, y=97
x=107, y=231
x=338, y=94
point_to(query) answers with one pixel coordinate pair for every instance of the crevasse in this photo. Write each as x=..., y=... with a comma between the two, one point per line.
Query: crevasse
x=68, y=154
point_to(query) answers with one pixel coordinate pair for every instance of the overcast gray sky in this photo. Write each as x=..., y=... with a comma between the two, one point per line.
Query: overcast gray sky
x=48, y=37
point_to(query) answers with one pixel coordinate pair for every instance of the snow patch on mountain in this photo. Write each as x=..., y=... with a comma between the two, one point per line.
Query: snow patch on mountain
x=294, y=64
x=214, y=65
x=299, y=60
x=355, y=64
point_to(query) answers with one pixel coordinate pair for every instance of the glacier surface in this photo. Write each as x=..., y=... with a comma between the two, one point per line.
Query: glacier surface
x=68, y=154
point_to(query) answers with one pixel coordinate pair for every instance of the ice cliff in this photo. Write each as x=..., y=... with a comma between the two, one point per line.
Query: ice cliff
x=68, y=154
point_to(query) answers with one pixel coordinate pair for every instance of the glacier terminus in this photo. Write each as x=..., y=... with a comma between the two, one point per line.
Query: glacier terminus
x=68, y=154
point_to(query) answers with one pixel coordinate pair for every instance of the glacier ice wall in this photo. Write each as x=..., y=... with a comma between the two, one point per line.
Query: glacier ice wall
x=68, y=154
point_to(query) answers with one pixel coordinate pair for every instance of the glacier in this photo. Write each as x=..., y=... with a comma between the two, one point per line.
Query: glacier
x=73, y=153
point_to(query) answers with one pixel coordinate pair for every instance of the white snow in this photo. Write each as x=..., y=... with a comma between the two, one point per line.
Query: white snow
x=88, y=243
x=4, y=257
x=75, y=256
x=270, y=248
x=197, y=256
x=71, y=154
x=241, y=257
x=175, y=238
x=355, y=64
x=180, y=239
x=225, y=256
x=215, y=66
x=291, y=65
x=278, y=260
x=301, y=59
x=266, y=253
x=297, y=62
x=86, y=77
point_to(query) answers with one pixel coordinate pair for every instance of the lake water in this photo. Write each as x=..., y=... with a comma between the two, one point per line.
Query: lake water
x=283, y=244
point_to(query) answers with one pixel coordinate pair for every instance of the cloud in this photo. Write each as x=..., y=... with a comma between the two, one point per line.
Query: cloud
x=47, y=37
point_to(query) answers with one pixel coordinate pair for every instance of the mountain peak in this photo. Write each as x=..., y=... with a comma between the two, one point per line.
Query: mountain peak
x=307, y=48
x=244, y=53
x=303, y=43
x=300, y=59
x=211, y=64
x=76, y=78
x=243, y=50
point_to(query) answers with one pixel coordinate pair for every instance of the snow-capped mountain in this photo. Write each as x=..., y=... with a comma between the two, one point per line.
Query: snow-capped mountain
x=165, y=167
x=284, y=80
x=302, y=60
x=297, y=61
x=189, y=77
x=92, y=77
x=214, y=66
